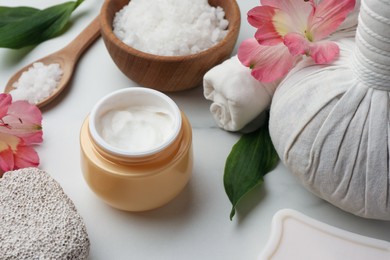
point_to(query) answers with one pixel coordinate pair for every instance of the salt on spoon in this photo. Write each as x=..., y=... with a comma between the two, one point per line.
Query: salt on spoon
x=37, y=83
x=66, y=58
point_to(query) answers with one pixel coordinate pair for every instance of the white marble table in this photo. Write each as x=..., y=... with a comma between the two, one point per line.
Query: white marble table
x=196, y=224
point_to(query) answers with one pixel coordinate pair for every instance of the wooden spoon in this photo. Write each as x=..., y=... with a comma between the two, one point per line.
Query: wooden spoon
x=67, y=58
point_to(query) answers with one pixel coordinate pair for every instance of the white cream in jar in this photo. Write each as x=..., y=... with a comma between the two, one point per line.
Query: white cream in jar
x=137, y=128
x=135, y=122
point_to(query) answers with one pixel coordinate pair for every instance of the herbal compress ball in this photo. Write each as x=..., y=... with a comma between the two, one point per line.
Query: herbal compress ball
x=330, y=124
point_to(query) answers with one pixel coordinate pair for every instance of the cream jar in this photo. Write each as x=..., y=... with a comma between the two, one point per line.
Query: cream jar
x=136, y=149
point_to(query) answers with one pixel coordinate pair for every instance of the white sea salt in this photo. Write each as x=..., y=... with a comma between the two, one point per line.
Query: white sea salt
x=170, y=27
x=37, y=83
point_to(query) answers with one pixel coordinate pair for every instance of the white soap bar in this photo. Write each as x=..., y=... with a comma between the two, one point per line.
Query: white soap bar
x=296, y=236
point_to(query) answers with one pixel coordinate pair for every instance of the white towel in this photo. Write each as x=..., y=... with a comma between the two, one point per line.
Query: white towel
x=237, y=97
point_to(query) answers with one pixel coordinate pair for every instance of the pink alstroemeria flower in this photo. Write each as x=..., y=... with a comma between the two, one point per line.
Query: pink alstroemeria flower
x=267, y=63
x=20, y=127
x=301, y=25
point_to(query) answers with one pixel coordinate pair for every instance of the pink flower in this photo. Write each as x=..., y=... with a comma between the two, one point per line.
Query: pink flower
x=268, y=63
x=301, y=25
x=20, y=127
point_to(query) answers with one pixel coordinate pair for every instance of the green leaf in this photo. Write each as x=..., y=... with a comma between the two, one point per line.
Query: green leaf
x=252, y=157
x=24, y=26
x=10, y=15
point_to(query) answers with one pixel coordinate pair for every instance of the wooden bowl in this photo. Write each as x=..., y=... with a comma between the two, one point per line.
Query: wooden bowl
x=167, y=73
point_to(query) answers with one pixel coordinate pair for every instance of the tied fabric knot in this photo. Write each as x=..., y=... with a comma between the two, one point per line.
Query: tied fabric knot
x=371, y=59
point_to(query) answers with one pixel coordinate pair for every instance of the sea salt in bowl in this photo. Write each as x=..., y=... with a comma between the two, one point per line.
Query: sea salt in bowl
x=167, y=73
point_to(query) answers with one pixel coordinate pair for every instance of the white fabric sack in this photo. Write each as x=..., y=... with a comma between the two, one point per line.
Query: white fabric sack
x=237, y=97
x=330, y=124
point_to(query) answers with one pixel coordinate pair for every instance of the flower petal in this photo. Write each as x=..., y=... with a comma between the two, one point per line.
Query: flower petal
x=26, y=156
x=24, y=120
x=29, y=114
x=15, y=154
x=268, y=36
x=292, y=15
x=9, y=141
x=6, y=161
x=296, y=44
x=8, y=144
x=324, y=52
x=327, y=16
x=5, y=102
x=260, y=15
x=286, y=4
x=268, y=63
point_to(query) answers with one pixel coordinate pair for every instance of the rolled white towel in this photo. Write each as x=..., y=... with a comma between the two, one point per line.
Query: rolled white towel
x=237, y=97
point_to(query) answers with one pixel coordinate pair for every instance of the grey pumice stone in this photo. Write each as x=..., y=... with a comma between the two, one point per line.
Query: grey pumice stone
x=38, y=220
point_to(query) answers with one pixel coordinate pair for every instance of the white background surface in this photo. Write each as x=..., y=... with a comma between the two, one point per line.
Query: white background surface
x=196, y=224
